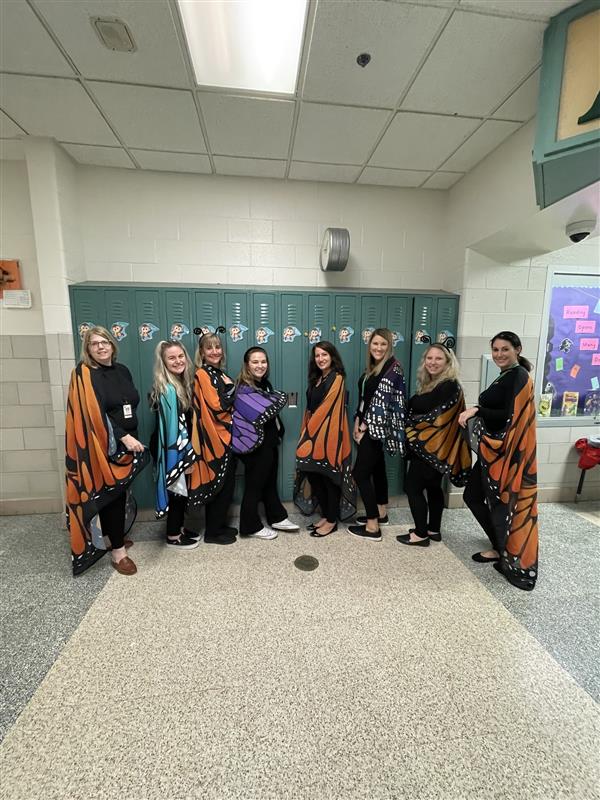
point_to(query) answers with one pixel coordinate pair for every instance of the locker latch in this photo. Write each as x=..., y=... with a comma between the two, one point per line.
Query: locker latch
x=292, y=400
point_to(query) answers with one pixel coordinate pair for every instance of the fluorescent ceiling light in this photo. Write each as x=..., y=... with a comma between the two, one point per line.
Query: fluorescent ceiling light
x=245, y=44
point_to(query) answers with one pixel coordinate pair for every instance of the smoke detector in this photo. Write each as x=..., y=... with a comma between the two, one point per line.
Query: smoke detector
x=114, y=34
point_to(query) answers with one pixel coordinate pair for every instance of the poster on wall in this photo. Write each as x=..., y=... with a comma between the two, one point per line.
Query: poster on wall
x=10, y=277
x=571, y=380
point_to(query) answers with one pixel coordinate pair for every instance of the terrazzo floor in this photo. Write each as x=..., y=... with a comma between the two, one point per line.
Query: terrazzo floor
x=225, y=672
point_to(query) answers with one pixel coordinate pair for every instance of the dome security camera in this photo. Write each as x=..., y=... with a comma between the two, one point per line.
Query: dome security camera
x=580, y=230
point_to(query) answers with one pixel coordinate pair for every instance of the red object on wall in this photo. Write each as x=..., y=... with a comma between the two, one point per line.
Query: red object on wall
x=589, y=456
x=10, y=276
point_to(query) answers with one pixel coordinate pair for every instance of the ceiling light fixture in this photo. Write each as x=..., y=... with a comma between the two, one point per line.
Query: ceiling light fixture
x=245, y=44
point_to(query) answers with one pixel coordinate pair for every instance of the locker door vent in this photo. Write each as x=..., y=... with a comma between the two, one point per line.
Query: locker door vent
x=293, y=313
x=264, y=314
x=236, y=312
x=345, y=314
x=320, y=314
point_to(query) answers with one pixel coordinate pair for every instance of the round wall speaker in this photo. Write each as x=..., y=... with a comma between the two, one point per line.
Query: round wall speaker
x=335, y=249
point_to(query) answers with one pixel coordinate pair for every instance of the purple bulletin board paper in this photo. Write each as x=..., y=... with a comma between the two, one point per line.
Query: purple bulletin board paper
x=572, y=355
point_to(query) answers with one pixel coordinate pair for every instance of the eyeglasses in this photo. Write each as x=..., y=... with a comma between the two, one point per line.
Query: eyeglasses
x=100, y=343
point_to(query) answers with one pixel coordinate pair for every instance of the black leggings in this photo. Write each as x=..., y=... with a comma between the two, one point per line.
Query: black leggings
x=112, y=520
x=218, y=508
x=327, y=493
x=423, y=478
x=176, y=513
x=260, y=484
x=370, y=476
x=474, y=498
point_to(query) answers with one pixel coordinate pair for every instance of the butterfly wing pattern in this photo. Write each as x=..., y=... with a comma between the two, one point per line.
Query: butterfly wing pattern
x=252, y=409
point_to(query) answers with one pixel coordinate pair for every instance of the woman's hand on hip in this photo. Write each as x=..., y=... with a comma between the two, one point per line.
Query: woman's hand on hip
x=466, y=415
x=132, y=444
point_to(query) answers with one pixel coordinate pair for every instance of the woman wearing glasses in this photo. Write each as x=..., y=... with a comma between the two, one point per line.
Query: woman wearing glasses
x=103, y=453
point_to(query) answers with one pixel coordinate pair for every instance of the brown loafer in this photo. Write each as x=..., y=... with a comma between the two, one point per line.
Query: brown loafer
x=125, y=566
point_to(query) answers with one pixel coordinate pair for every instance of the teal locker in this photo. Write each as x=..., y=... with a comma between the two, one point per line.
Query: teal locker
x=372, y=315
x=208, y=314
x=239, y=330
x=264, y=324
x=318, y=322
x=347, y=340
x=290, y=377
x=422, y=334
x=446, y=321
x=86, y=311
x=398, y=320
x=180, y=319
x=122, y=324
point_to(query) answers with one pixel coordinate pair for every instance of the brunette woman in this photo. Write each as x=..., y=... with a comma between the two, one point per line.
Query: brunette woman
x=260, y=431
x=502, y=489
x=378, y=428
x=176, y=446
x=436, y=446
x=103, y=453
x=324, y=449
x=212, y=477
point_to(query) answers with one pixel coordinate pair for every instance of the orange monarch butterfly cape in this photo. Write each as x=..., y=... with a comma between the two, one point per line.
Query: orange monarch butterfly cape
x=509, y=467
x=96, y=471
x=212, y=401
x=437, y=438
x=324, y=447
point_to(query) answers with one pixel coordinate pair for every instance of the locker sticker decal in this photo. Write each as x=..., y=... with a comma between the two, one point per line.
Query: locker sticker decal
x=147, y=331
x=345, y=333
x=203, y=330
x=178, y=330
x=237, y=331
x=118, y=330
x=262, y=334
x=366, y=332
x=314, y=336
x=290, y=332
x=447, y=338
x=422, y=337
x=83, y=327
x=396, y=337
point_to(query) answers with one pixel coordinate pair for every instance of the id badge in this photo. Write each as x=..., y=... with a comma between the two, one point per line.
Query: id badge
x=127, y=413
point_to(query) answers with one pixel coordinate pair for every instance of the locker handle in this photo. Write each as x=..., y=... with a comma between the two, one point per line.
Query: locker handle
x=292, y=400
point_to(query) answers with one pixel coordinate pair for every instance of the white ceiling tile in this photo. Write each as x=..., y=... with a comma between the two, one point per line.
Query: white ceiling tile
x=8, y=128
x=256, y=167
x=395, y=35
x=476, y=62
x=99, y=156
x=338, y=173
x=157, y=119
x=336, y=134
x=54, y=107
x=442, y=180
x=483, y=141
x=421, y=141
x=172, y=162
x=11, y=150
x=25, y=46
x=522, y=104
x=392, y=177
x=158, y=58
x=246, y=126
x=540, y=9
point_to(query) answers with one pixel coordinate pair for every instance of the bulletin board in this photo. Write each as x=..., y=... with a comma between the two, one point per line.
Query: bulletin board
x=572, y=362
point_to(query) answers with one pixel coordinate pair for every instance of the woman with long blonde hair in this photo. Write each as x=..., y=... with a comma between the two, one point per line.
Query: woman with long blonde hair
x=436, y=446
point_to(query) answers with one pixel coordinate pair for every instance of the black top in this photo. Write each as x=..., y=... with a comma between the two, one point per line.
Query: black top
x=316, y=394
x=367, y=388
x=273, y=429
x=114, y=388
x=496, y=402
x=226, y=391
x=426, y=402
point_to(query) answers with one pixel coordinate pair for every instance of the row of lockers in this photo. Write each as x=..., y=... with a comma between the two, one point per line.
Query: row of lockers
x=286, y=323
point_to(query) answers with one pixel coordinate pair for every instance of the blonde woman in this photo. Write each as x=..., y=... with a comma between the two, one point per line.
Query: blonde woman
x=175, y=444
x=103, y=454
x=436, y=446
x=378, y=428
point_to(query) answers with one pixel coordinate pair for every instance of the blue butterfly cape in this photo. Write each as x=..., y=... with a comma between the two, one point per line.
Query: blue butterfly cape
x=385, y=415
x=176, y=451
x=252, y=409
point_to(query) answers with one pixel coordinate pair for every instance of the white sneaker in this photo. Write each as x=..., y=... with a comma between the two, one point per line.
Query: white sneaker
x=263, y=533
x=286, y=525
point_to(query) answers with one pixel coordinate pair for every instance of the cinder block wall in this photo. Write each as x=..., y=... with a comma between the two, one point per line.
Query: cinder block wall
x=28, y=455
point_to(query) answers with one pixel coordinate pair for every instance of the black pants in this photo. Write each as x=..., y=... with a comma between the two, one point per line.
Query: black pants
x=474, y=498
x=423, y=479
x=260, y=484
x=327, y=493
x=112, y=521
x=218, y=508
x=176, y=513
x=370, y=476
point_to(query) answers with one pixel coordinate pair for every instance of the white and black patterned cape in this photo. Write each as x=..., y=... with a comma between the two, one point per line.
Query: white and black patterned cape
x=386, y=411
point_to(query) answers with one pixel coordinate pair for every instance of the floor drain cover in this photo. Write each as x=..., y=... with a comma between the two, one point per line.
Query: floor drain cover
x=306, y=563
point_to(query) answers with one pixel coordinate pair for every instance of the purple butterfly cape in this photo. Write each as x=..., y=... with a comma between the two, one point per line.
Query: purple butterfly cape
x=252, y=409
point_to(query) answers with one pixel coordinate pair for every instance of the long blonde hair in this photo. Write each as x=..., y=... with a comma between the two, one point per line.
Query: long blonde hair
x=204, y=341
x=425, y=383
x=163, y=378
x=85, y=356
x=374, y=368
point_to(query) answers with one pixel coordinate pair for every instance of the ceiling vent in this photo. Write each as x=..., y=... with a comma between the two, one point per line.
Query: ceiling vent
x=114, y=34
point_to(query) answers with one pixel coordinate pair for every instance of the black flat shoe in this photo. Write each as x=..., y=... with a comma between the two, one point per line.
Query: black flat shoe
x=318, y=535
x=484, y=559
x=524, y=585
x=435, y=537
x=407, y=540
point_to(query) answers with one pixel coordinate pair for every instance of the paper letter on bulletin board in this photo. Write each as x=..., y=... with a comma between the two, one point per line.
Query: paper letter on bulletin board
x=10, y=277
